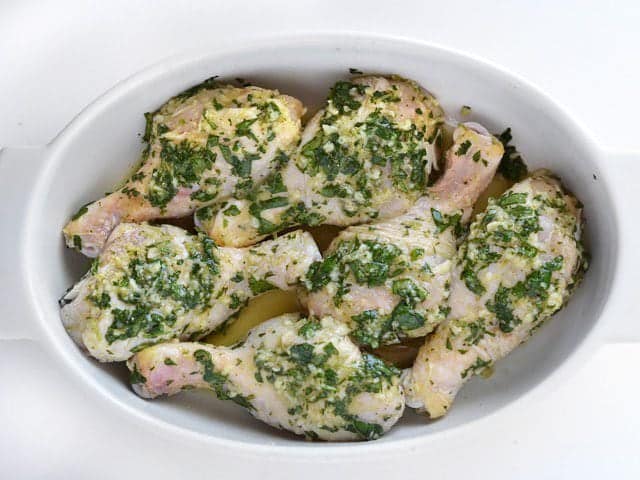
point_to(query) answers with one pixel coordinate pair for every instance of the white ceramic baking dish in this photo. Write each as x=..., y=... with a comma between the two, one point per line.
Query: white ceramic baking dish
x=41, y=187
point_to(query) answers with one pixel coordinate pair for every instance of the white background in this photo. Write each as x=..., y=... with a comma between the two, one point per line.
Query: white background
x=586, y=55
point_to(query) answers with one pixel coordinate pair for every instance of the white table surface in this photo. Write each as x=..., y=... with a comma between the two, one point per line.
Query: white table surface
x=583, y=54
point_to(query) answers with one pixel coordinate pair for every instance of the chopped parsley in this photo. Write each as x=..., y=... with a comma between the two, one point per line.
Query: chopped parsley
x=84, y=209
x=136, y=377
x=443, y=221
x=155, y=293
x=512, y=166
x=316, y=378
x=464, y=147
x=259, y=286
x=218, y=382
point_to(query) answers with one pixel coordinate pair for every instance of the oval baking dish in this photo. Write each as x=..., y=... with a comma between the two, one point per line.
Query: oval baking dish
x=45, y=186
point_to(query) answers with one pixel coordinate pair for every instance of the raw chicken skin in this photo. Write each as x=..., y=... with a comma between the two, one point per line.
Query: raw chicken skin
x=390, y=280
x=205, y=145
x=367, y=155
x=297, y=374
x=153, y=284
x=517, y=267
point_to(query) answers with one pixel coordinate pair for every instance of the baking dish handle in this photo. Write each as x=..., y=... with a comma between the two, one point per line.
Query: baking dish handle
x=18, y=169
x=623, y=318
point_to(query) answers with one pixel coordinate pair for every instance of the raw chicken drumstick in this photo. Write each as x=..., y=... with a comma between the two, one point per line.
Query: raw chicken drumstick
x=390, y=280
x=367, y=155
x=302, y=375
x=208, y=144
x=153, y=284
x=518, y=266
